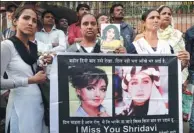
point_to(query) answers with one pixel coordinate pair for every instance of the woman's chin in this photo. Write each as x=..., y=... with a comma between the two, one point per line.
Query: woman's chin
x=94, y=104
x=139, y=102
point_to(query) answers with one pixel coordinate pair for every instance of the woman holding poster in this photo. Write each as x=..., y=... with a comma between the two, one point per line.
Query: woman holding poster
x=173, y=36
x=149, y=43
x=144, y=94
x=90, y=84
x=90, y=42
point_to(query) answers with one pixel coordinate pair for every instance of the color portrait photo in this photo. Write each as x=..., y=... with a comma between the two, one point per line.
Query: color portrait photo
x=90, y=91
x=110, y=35
x=141, y=90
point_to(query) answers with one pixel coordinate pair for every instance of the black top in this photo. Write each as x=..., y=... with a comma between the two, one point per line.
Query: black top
x=189, y=41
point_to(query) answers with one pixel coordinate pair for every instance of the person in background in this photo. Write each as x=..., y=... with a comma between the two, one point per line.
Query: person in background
x=90, y=43
x=171, y=35
x=11, y=29
x=19, y=60
x=63, y=25
x=74, y=33
x=41, y=47
x=189, y=41
x=50, y=35
x=11, y=8
x=117, y=15
x=89, y=30
x=149, y=43
x=102, y=19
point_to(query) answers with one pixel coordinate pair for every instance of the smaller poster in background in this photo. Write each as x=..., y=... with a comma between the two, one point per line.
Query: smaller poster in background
x=110, y=35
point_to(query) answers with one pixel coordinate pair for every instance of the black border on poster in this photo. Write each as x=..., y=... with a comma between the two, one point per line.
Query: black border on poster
x=170, y=122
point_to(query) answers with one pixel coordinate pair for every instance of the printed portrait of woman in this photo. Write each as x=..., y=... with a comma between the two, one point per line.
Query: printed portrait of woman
x=110, y=35
x=90, y=94
x=143, y=94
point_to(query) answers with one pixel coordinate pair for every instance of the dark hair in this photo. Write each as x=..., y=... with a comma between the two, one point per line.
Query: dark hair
x=162, y=7
x=46, y=12
x=8, y=8
x=82, y=5
x=62, y=19
x=113, y=7
x=99, y=15
x=20, y=10
x=118, y=88
x=116, y=31
x=153, y=76
x=82, y=76
x=146, y=13
x=80, y=20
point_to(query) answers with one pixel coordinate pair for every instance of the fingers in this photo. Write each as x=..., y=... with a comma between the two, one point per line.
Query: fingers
x=48, y=59
x=120, y=50
x=41, y=72
x=183, y=55
x=41, y=76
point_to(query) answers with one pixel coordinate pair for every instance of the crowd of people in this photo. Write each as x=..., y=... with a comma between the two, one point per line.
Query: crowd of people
x=23, y=42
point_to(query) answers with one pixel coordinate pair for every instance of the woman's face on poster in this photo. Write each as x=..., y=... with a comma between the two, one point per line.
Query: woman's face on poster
x=94, y=93
x=140, y=87
x=110, y=34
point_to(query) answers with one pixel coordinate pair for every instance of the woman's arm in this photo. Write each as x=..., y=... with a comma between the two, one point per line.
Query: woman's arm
x=184, y=56
x=5, y=59
x=6, y=54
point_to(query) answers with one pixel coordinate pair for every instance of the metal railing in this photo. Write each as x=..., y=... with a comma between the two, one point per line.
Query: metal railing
x=183, y=12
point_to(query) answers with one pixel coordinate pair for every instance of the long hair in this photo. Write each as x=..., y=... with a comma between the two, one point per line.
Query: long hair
x=82, y=76
x=116, y=31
